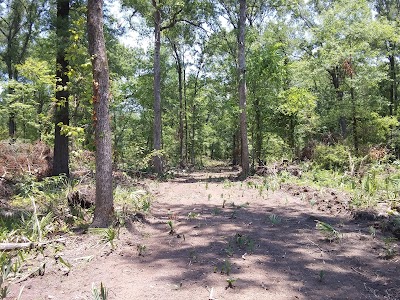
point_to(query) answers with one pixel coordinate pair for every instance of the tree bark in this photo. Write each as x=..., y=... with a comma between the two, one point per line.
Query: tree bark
x=258, y=130
x=181, y=112
x=393, y=86
x=157, y=160
x=242, y=89
x=61, y=116
x=104, y=210
x=335, y=75
x=354, y=117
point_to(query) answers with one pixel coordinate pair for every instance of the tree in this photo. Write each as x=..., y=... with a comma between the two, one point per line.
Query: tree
x=242, y=89
x=17, y=27
x=104, y=210
x=61, y=115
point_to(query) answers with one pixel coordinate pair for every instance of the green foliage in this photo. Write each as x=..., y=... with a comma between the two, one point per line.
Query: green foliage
x=100, y=295
x=334, y=157
x=328, y=231
x=133, y=199
x=5, y=264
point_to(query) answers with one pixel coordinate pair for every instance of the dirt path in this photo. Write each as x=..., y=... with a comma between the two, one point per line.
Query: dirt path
x=265, y=242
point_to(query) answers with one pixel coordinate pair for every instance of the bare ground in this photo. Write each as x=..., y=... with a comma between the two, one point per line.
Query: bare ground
x=265, y=241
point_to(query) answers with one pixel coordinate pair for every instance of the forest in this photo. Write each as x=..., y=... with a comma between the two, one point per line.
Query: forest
x=125, y=120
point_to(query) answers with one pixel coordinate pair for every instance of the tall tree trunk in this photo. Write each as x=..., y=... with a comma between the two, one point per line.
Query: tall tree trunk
x=236, y=148
x=393, y=86
x=193, y=145
x=12, y=126
x=180, y=92
x=335, y=75
x=354, y=118
x=258, y=131
x=242, y=89
x=185, y=114
x=61, y=116
x=157, y=160
x=104, y=210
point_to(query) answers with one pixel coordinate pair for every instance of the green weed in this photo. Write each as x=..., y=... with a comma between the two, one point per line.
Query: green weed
x=328, y=231
x=101, y=294
x=274, y=219
x=230, y=282
x=141, y=249
x=171, y=227
x=226, y=267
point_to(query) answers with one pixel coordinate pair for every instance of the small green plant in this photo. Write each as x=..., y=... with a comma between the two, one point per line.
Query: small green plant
x=108, y=235
x=229, y=250
x=227, y=183
x=372, y=231
x=171, y=227
x=193, y=256
x=328, y=231
x=100, y=295
x=141, y=249
x=321, y=275
x=216, y=211
x=226, y=267
x=274, y=219
x=136, y=200
x=230, y=282
x=192, y=215
x=244, y=242
x=260, y=190
x=5, y=271
x=390, y=248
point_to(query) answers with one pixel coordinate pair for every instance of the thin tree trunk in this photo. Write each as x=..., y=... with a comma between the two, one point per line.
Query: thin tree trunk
x=193, y=151
x=334, y=72
x=104, y=210
x=242, y=90
x=185, y=114
x=61, y=116
x=180, y=92
x=12, y=126
x=393, y=86
x=258, y=131
x=157, y=160
x=354, y=117
x=236, y=148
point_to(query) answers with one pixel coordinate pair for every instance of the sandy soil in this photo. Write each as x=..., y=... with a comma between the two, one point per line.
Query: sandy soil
x=265, y=242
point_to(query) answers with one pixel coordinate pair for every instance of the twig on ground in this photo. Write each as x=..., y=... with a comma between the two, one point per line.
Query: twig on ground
x=315, y=244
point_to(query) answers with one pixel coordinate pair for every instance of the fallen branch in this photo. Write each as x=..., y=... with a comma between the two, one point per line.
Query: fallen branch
x=315, y=244
x=29, y=245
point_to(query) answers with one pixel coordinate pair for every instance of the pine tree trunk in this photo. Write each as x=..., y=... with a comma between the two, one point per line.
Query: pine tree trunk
x=157, y=160
x=61, y=116
x=104, y=210
x=242, y=90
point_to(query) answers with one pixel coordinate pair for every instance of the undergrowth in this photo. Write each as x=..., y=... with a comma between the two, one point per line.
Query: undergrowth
x=39, y=212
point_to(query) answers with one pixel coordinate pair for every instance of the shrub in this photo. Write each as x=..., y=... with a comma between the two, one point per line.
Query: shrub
x=334, y=157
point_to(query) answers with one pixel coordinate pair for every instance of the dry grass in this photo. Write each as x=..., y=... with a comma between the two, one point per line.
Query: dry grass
x=18, y=159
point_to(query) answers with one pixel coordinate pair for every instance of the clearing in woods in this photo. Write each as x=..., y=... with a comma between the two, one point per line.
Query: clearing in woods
x=209, y=236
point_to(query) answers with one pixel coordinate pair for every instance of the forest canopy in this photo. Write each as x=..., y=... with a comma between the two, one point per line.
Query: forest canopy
x=317, y=74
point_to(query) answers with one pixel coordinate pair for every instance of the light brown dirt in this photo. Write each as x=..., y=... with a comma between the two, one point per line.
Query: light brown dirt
x=266, y=240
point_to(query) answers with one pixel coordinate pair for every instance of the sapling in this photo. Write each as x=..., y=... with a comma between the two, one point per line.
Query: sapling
x=171, y=227
x=230, y=281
